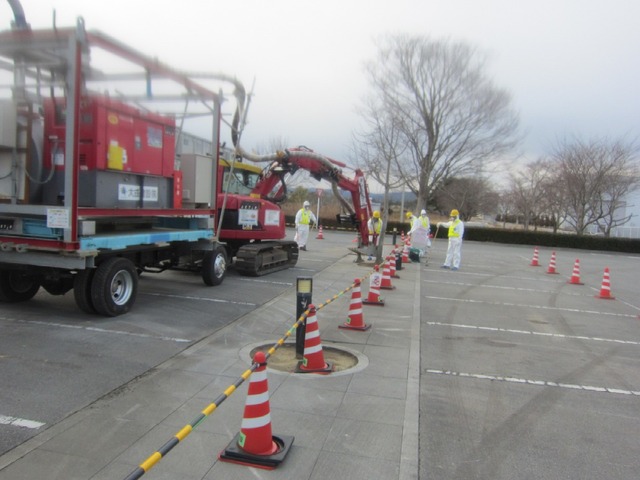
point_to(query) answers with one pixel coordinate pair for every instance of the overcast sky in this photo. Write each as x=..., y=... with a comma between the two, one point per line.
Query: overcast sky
x=572, y=66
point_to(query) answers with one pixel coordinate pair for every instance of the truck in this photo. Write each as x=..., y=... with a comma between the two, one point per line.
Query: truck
x=94, y=187
x=91, y=194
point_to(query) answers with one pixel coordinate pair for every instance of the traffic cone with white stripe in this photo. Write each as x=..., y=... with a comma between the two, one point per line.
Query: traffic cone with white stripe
x=255, y=445
x=374, y=288
x=356, y=318
x=605, y=288
x=320, y=236
x=386, y=277
x=552, y=264
x=313, y=356
x=534, y=260
x=405, y=254
x=392, y=266
x=575, y=276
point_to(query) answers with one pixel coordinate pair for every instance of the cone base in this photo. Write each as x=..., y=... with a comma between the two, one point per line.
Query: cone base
x=572, y=282
x=395, y=276
x=535, y=265
x=552, y=273
x=390, y=287
x=300, y=368
x=379, y=303
x=361, y=328
x=235, y=454
x=605, y=297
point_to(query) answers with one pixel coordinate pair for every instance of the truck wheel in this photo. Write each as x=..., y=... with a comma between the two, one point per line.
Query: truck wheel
x=82, y=290
x=214, y=266
x=17, y=286
x=114, y=287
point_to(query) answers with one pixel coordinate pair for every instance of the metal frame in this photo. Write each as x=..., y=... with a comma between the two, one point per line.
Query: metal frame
x=59, y=59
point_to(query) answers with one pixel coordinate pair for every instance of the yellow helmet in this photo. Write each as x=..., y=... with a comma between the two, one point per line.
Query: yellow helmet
x=376, y=214
x=409, y=215
x=454, y=213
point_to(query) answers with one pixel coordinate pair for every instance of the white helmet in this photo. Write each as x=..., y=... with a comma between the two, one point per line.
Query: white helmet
x=423, y=212
x=306, y=204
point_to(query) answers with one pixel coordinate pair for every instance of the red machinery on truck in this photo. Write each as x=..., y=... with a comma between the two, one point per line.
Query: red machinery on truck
x=92, y=192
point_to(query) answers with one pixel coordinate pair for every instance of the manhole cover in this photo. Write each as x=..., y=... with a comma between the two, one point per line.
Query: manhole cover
x=284, y=359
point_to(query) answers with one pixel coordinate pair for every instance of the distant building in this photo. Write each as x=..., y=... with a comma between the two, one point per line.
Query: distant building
x=630, y=229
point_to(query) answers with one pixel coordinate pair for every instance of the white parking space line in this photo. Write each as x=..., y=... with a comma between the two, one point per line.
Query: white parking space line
x=203, y=299
x=98, y=330
x=20, y=422
x=539, y=383
x=539, y=307
x=547, y=279
x=270, y=282
x=499, y=287
x=527, y=332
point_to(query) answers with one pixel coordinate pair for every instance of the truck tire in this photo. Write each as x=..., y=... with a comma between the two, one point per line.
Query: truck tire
x=82, y=290
x=214, y=266
x=17, y=287
x=114, y=287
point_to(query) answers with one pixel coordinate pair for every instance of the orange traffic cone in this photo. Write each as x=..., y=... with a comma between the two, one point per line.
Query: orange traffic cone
x=405, y=254
x=386, y=277
x=254, y=445
x=534, y=260
x=552, y=264
x=402, y=237
x=575, y=276
x=320, y=236
x=605, y=289
x=313, y=356
x=356, y=319
x=392, y=266
x=374, y=288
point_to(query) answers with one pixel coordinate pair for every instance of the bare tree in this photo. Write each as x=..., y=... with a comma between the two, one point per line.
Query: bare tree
x=377, y=149
x=528, y=190
x=447, y=112
x=470, y=195
x=596, y=176
x=555, y=196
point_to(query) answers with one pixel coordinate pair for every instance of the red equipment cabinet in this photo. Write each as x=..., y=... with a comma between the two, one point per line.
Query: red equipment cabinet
x=112, y=136
x=126, y=155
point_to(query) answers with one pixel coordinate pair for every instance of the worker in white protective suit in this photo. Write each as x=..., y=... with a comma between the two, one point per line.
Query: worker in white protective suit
x=375, y=228
x=304, y=218
x=419, y=233
x=456, y=231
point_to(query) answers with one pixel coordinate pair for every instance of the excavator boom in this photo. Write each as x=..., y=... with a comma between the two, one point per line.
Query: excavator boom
x=272, y=184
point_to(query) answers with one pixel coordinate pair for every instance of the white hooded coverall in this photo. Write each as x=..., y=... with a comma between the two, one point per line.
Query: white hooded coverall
x=456, y=231
x=304, y=218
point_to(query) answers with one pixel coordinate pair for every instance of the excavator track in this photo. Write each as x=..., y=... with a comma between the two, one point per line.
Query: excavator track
x=261, y=258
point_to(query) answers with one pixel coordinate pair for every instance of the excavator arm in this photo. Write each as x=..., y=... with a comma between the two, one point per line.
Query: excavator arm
x=283, y=163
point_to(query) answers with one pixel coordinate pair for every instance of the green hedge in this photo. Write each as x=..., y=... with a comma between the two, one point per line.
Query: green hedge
x=515, y=237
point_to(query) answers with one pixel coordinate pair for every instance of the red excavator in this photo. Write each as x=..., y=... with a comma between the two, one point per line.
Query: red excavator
x=272, y=187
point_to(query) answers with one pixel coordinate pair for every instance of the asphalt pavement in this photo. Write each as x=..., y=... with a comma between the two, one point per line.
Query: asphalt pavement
x=497, y=371
x=361, y=422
